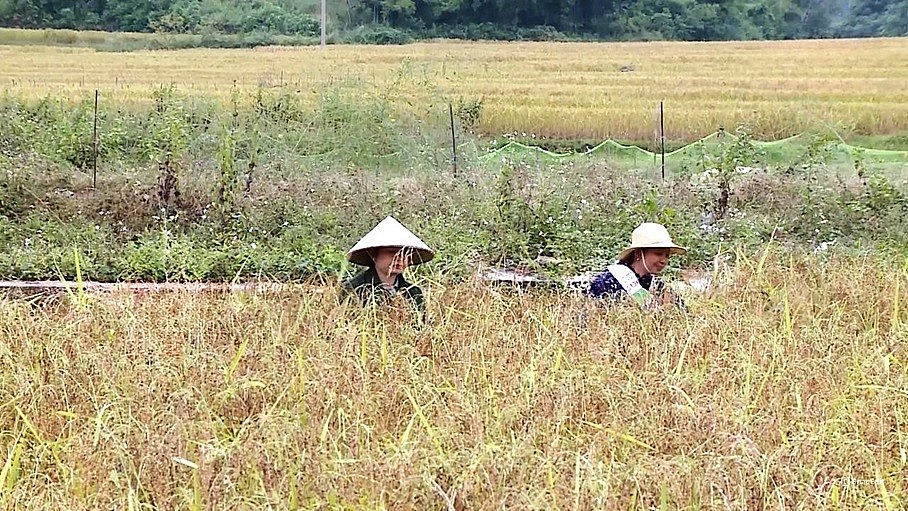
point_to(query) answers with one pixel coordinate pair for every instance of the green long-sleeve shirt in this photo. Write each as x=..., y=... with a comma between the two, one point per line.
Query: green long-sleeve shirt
x=368, y=287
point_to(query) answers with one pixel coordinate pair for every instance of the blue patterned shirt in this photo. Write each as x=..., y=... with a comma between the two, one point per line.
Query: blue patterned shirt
x=605, y=285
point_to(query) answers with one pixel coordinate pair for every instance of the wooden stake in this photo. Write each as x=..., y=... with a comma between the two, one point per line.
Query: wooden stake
x=453, y=139
x=94, y=151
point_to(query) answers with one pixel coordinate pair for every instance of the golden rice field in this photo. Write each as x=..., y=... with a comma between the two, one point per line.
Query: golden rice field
x=784, y=388
x=572, y=90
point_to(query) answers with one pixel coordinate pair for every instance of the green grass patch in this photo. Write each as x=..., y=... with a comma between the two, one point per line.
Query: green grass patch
x=133, y=41
x=893, y=142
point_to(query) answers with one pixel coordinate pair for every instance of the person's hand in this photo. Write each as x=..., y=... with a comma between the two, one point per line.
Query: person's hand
x=668, y=298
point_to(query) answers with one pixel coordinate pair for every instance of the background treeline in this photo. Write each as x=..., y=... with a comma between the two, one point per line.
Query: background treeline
x=402, y=20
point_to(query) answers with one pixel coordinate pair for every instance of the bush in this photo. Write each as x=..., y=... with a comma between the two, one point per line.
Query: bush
x=376, y=34
x=496, y=32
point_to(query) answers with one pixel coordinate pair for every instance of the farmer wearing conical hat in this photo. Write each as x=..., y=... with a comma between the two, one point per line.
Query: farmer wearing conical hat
x=635, y=274
x=386, y=251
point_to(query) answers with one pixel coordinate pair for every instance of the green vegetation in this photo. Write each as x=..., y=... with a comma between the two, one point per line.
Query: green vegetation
x=132, y=41
x=897, y=142
x=271, y=188
x=395, y=21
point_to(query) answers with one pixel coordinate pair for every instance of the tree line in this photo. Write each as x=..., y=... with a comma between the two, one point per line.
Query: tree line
x=399, y=20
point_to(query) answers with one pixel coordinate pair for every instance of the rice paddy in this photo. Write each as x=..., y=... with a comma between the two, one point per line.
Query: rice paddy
x=560, y=90
x=784, y=388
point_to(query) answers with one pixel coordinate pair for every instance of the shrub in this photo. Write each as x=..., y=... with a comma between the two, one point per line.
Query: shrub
x=376, y=34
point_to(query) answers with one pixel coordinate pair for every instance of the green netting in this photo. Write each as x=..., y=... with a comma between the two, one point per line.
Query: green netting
x=785, y=151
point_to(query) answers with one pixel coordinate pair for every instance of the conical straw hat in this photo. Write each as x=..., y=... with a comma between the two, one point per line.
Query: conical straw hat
x=390, y=233
x=650, y=235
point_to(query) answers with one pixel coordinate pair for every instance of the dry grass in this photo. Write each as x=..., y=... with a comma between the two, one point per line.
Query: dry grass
x=550, y=89
x=787, y=389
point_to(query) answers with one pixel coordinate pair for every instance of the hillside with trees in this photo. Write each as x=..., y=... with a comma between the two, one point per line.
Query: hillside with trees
x=404, y=20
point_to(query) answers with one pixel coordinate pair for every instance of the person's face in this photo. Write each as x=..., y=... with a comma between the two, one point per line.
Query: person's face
x=393, y=260
x=656, y=259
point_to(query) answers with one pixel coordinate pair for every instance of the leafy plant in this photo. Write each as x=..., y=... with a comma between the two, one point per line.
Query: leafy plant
x=469, y=112
x=721, y=166
x=167, y=144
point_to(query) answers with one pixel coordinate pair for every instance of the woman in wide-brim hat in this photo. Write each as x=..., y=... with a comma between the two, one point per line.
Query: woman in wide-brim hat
x=386, y=251
x=635, y=273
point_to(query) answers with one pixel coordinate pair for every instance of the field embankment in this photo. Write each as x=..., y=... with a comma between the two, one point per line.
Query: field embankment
x=293, y=225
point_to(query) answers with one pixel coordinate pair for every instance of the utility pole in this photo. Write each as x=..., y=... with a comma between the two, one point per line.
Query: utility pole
x=324, y=24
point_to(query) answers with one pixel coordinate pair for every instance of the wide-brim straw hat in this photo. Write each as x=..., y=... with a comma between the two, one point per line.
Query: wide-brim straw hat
x=392, y=234
x=650, y=235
